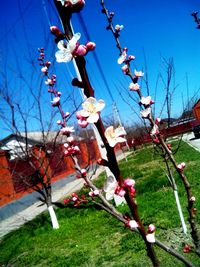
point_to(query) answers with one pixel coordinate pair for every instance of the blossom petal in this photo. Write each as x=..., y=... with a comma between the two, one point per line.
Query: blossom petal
x=93, y=118
x=100, y=105
x=122, y=58
x=120, y=131
x=60, y=45
x=72, y=42
x=63, y=56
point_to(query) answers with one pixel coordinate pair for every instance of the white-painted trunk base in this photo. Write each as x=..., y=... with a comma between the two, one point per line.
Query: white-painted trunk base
x=53, y=217
x=180, y=212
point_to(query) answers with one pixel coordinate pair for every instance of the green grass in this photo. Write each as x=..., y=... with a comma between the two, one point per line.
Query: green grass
x=90, y=237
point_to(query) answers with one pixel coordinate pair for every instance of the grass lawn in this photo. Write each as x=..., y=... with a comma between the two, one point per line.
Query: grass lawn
x=90, y=237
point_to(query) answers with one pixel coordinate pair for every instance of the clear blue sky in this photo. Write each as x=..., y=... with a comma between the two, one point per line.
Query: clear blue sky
x=160, y=28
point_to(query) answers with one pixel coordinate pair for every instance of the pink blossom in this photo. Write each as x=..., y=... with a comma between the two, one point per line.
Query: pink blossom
x=145, y=112
x=90, y=46
x=151, y=238
x=80, y=51
x=132, y=224
x=151, y=233
x=96, y=192
x=155, y=130
x=138, y=74
x=66, y=115
x=120, y=191
x=129, y=182
x=114, y=136
x=158, y=120
x=67, y=130
x=59, y=122
x=56, y=101
x=70, y=140
x=119, y=27
x=151, y=228
x=55, y=30
x=122, y=57
x=131, y=57
x=125, y=69
x=49, y=82
x=91, y=193
x=186, y=249
x=83, y=123
x=44, y=70
x=146, y=101
x=134, y=86
x=192, y=199
x=83, y=172
x=181, y=166
x=91, y=109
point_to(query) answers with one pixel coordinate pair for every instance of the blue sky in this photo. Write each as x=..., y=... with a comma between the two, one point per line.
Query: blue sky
x=163, y=29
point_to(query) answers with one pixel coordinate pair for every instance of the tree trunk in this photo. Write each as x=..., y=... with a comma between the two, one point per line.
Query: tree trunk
x=54, y=220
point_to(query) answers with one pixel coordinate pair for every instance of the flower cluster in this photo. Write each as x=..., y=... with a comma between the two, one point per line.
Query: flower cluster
x=71, y=49
x=115, y=136
x=70, y=148
x=76, y=200
x=151, y=233
x=90, y=111
x=128, y=185
x=124, y=58
x=181, y=166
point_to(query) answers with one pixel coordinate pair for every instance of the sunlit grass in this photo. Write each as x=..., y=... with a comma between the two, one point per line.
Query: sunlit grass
x=90, y=237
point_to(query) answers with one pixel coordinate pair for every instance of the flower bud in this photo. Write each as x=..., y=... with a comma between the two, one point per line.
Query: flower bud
x=84, y=172
x=90, y=46
x=129, y=182
x=80, y=51
x=55, y=31
x=132, y=224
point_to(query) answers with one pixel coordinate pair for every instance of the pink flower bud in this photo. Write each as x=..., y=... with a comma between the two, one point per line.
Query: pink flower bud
x=91, y=194
x=70, y=140
x=55, y=30
x=132, y=224
x=47, y=63
x=81, y=50
x=120, y=191
x=192, y=199
x=134, y=86
x=158, y=120
x=74, y=199
x=181, y=166
x=90, y=46
x=131, y=57
x=151, y=228
x=44, y=70
x=66, y=115
x=59, y=93
x=186, y=249
x=84, y=172
x=76, y=149
x=125, y=69
x=129, y=182
x=66, y=145
x=96, y=192
x=78, y=115
x=59, y=122
x=132, y=191
x=83, y=123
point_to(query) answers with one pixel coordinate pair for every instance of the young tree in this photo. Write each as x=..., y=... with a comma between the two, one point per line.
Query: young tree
x=90, y=113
